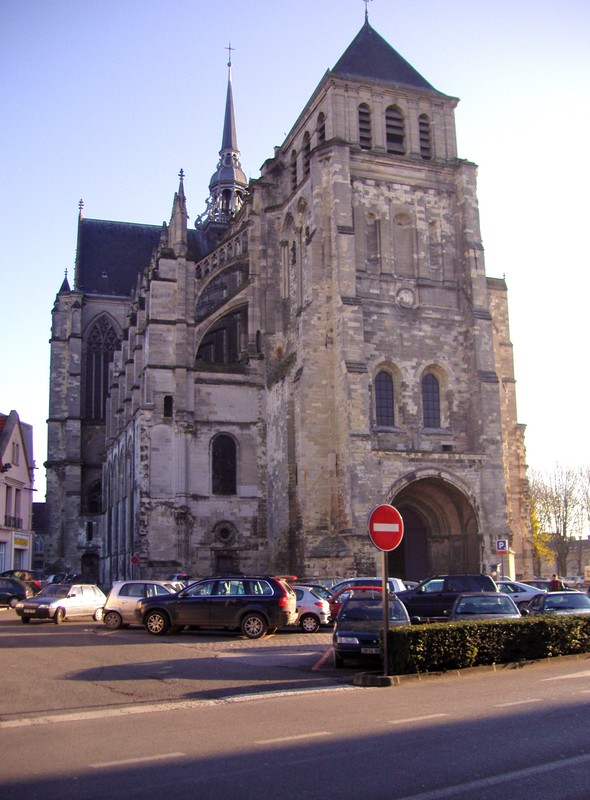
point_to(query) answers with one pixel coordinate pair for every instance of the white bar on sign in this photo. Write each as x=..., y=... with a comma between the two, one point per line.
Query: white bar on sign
x=392, y=527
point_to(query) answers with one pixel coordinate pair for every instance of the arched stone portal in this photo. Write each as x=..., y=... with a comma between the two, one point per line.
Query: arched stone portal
x=441, y=530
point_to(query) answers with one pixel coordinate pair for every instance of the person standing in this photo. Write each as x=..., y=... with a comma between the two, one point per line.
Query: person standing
x=555, y=585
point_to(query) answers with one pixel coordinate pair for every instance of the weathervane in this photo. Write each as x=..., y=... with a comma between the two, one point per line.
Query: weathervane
x=366, y=2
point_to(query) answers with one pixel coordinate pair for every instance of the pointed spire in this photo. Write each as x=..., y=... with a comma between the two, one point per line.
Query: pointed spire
x=65, y=287
x=230, y=139
x=78, y=244
x=178, y=220
x=228, y=184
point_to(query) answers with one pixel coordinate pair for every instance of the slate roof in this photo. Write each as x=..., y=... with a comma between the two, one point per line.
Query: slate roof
x=370, y=56
x=111, y=255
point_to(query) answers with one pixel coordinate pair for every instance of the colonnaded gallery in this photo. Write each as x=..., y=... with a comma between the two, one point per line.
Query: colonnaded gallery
x=238, y=395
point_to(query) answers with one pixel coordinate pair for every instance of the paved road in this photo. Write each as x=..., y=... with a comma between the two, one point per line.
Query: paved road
x=81, y=665
x=130, y=716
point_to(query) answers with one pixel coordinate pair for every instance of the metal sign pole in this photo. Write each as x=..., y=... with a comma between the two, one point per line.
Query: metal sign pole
x=385, y=593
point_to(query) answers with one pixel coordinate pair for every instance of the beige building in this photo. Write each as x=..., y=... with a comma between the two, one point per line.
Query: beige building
x=16, y=493
x=240, y=395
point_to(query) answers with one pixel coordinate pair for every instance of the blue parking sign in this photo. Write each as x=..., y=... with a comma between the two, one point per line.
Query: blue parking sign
x=501, y=545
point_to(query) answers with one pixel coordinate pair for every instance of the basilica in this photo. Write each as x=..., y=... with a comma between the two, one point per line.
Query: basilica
x=238, y=395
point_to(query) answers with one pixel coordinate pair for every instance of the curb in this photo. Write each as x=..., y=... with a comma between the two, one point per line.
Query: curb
x=377, y=679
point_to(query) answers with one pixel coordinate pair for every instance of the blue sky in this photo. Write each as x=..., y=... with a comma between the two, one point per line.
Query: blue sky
x=106, y=100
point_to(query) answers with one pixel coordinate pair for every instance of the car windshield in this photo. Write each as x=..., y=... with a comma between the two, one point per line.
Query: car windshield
x=567, y=601
x=484, y=605
x=55, y=590
x=372, y=610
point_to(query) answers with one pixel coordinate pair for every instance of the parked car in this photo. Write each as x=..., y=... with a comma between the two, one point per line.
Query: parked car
x=12, y=590
x=34, y=578
x=312, y=609
x=545, y=584
x=395, y=584
x=484, y=605
x=567, y=602
x=359, y=625
x=521, y=593
x=433, y=598
x=60, y=601
x=71, y=577
x=181, y=577
x=338, y=599
x=318, y=588
x=256, y=605
x=122, y=599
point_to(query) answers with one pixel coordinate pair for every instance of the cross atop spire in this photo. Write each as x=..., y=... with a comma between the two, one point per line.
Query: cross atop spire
x=229, y=48
x=366, y=2
x=181, y=175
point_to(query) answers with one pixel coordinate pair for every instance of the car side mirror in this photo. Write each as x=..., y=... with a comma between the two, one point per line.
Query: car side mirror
x=524, y=612
x=416, y=620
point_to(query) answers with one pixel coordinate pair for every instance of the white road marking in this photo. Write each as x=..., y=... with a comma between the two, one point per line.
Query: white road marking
x=294, y=738
x=496, y=780
x=519, y=702
x=584, y=674
x=416, y=719
x=146, y=759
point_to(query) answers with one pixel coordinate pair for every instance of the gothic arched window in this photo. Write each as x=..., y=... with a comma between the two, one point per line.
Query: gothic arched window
x=384, y=399
x=365, y=130
x=294, y=178
x=306, y=154
x=425, y=136
x=94, y=498
x=431, y=401
x=101, y=343
x=395, y=131
x=321, y=127
x=223, y=465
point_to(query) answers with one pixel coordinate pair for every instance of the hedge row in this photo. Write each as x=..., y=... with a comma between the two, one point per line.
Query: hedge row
x=443, y=646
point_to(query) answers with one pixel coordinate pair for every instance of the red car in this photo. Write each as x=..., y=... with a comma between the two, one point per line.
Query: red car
x=369, y=592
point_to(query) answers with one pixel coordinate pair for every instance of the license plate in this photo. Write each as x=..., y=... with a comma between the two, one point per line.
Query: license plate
x=28, y=611
x=370, y=651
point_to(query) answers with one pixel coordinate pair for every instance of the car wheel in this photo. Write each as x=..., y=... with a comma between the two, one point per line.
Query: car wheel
x=99, y=614
x=59, y=616
x=25, y=620
x=157, y=623
x=254, y=626
x=338, y=661
x=309, y=623
x=112, y=620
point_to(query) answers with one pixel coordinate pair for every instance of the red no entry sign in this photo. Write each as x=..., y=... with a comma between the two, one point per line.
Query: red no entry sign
x=386, y=527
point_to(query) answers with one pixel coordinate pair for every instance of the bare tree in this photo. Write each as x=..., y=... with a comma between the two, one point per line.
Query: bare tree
x=557, y=502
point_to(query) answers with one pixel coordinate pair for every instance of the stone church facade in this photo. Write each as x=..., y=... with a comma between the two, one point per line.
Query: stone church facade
x=239, y=395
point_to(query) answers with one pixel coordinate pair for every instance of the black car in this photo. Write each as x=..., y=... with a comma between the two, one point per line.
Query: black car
x=12, y=590
x=359, y=625
x=256, y=605
x=35, y=579
x=433, y=598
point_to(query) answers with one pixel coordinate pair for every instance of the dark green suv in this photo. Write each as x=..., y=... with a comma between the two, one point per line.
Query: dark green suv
x=256, y=605
x=433, y=598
